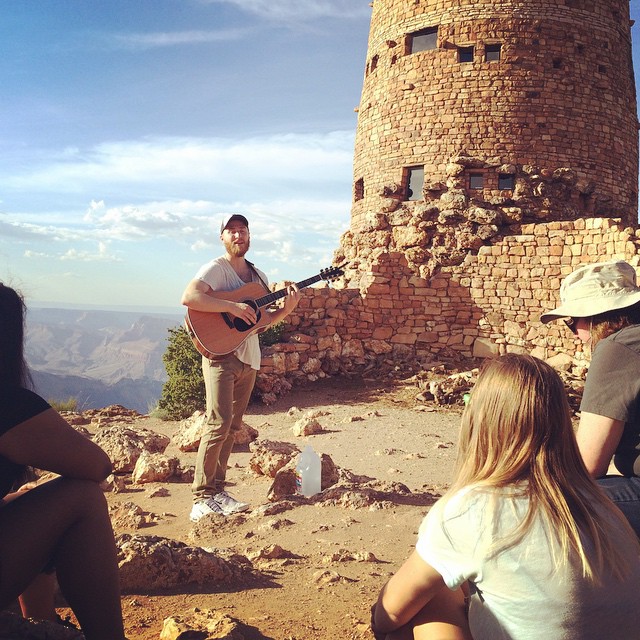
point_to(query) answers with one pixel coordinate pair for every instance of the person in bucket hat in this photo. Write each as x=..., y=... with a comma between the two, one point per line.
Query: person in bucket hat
x=600, y=304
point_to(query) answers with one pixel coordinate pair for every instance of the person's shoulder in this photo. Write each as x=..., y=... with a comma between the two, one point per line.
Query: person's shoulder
x=467, y=498
x=628, y=337
x=19, y=405
x=216, y=265
x=21, y=396
x=29, y=397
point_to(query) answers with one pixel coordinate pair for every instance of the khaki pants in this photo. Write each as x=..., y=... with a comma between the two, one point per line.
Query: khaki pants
x=228, y=385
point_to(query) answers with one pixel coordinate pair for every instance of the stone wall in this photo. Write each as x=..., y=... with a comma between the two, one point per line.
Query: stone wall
x=488, y=304
x=520, y=118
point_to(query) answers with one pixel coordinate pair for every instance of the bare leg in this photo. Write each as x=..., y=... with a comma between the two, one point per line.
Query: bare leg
x=65, y=520
x=444, y=618
x=37, y=600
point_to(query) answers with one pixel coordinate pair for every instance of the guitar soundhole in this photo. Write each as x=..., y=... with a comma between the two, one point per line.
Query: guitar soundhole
x=241, y=325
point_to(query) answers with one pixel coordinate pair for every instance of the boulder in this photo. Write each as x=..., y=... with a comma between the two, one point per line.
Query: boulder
x=204, y=624
x=154, y=467
x=149, y=563
x=124, y=444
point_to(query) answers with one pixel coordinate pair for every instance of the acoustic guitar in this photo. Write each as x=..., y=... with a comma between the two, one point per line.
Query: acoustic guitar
x=216, y=334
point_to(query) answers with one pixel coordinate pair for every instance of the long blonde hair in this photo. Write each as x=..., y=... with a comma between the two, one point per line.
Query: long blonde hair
x=516, y=431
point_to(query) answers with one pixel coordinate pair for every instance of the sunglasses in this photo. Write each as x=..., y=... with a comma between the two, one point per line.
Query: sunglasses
x=571, y=324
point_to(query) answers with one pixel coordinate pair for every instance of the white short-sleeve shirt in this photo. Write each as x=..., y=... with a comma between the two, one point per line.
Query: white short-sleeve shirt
x=520, y=594
x=221, y=276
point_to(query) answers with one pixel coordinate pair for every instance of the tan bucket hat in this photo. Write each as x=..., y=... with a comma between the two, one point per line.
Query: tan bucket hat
x=594, y=289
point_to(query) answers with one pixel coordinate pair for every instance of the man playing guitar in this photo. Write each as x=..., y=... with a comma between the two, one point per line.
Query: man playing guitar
x=228, y=378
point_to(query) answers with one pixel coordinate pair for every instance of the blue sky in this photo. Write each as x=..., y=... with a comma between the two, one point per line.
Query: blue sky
x=128, y=129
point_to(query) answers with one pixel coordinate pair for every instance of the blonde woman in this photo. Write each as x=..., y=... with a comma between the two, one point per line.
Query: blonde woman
x=539, y=549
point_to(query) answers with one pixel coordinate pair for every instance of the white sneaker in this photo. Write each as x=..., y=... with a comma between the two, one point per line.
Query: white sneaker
x=204, y=508
x=228, y=504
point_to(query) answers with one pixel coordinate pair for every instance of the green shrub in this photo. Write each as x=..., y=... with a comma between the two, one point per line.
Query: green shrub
x=183, y=392
x=70, y=404
x=272, y=335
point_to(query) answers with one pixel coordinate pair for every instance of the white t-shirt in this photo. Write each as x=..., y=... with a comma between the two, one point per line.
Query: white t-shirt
x=221, y=276
x=518, y=593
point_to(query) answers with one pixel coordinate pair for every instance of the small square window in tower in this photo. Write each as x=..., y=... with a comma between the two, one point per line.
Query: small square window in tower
x=414, y=182
x=465, y=54
x=423, y=40
x=506, y=181
x=492, y=52
x=476, y=181
x=358, y=189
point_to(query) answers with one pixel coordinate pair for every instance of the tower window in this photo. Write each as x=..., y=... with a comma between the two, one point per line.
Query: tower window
x=492, y=52
x=465, y=54
x=476, y=181
x=358, y=189
x=414, y=183
x=506, y=181
x=423, y=40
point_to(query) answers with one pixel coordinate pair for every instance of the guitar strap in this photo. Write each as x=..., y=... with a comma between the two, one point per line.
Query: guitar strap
x=257, y=274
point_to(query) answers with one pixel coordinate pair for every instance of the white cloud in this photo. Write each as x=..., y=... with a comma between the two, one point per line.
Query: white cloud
x=76, y=255
x=160, y=39
x=132, y=203
x=301, y=9
x=246, y=165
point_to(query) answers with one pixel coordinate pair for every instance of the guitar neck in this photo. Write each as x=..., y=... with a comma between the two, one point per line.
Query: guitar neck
x=281, y=293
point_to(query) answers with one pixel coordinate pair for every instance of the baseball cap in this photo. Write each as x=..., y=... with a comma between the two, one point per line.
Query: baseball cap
x=594, y=289
x=234, y=216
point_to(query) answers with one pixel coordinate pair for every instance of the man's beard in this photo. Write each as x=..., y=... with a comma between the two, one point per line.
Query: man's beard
x=237, y=251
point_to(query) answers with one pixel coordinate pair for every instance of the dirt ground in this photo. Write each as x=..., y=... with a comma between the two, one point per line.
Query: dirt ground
x=336, y=558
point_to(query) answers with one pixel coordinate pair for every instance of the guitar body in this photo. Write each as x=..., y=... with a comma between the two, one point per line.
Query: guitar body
x=216, y=334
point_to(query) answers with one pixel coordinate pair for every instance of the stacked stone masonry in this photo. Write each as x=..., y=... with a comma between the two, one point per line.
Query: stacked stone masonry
x=561, y=94
x=489, y=304
x=487, y=166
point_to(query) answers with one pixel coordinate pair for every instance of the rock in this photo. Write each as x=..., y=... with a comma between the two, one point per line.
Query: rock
x=154, y=467
x=128, y=515
x=271, y=552
x=187, y=436
x=485, y=348
x=124, y=444
x=269, y=457
x=561, y=361
x=343, y=555
x=149, y=563
x=307, y=427
x=15, y=627
x=245, y=434
x=201, y=624
x=284, y=483
x=113, y=483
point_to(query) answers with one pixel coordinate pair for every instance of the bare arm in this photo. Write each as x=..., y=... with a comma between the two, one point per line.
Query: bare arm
x=46, y=441
x=598, y=437
x=406, y=593
x=199, y=296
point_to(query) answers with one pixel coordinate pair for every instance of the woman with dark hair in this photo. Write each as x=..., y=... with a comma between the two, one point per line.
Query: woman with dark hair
x=600, y=303
x=539, y=549
x=63, y=523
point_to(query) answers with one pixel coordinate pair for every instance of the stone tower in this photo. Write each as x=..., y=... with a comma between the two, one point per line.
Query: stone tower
x=478, y=116
x=496, y=151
